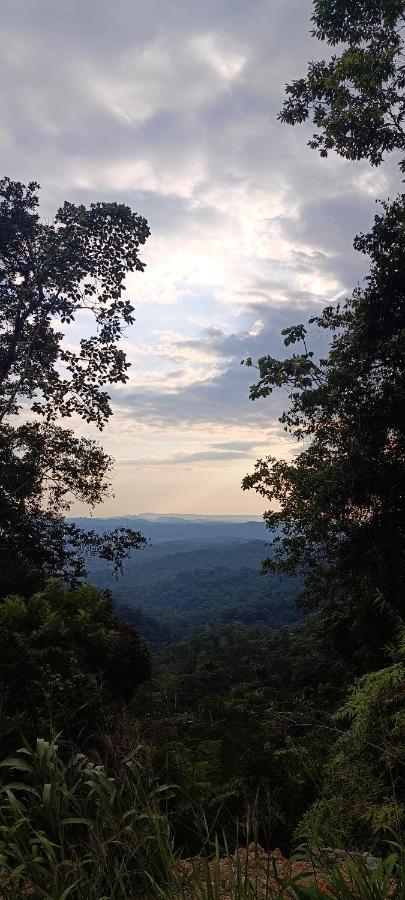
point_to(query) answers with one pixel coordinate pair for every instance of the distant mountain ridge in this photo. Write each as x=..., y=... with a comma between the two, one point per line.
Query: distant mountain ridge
x=181, y=528
x=196, y=517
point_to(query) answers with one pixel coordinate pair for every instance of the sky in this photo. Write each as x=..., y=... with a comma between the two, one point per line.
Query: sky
x=171, y=107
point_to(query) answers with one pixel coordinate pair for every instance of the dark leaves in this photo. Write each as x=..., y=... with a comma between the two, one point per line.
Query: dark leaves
x=51, y=274
x=337, y=508
x=355, y=100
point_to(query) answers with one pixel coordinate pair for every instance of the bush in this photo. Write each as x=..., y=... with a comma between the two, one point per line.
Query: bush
x=76, y=657
x=69, y=829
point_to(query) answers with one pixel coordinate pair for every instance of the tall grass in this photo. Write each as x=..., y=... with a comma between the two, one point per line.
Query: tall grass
x=69, y=829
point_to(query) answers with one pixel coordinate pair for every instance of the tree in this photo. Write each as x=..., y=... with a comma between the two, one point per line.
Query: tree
x=356, y=99
x=341, y=511
x=341, y=499
x=363, y=782
x=75, y=656
x=52, y=276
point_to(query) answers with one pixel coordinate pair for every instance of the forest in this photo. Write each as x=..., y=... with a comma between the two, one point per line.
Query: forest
x=194, y=576
x=219, y=713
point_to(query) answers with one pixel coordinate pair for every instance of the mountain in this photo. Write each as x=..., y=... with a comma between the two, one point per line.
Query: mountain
x=177, y=528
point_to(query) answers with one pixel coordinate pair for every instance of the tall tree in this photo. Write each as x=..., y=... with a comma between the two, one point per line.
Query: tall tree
x=355, y=98
x=51, y=276
x=339, y=504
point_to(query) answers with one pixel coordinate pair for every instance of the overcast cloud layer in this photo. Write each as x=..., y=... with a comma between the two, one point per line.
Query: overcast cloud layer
x=171, y=106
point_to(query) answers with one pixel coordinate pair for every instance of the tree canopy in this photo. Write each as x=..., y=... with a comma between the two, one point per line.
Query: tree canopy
x=49, y=275
x=341, y=499
x=338, y=510
x=355, y=98
x=52, y=276
x=75, y=656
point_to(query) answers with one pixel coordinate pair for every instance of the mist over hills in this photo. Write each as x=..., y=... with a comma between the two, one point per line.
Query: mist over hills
x=183, y=528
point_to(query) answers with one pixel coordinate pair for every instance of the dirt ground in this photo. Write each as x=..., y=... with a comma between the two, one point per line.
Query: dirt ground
x=270, y=874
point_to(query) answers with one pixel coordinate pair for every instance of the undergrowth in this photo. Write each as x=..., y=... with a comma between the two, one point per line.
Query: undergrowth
x=69, y=829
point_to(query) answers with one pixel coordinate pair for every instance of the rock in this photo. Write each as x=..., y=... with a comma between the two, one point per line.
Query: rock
x=269, y=872
x=327, y=856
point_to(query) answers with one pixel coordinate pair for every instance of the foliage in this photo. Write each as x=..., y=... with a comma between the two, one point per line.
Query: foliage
x=51, y=277
x=70, y=829
x=355, y=98
x=171, y=590
x=337, y=511
x=301, y=728
x=62, y=657
x=50, y=273
x=364, y=787
x=241, y=717
x=341, y=510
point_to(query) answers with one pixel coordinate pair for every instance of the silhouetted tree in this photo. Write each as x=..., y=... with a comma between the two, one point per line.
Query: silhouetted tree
x=356, y=99
x=52, y=276
x=339, y=504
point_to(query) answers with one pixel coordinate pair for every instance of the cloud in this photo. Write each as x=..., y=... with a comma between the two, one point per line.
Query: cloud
x=244, y=446
x=172, y=108
x=187, y=459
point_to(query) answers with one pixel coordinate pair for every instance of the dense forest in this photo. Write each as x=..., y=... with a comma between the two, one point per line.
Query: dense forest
x=195, y=576
x=219, y=693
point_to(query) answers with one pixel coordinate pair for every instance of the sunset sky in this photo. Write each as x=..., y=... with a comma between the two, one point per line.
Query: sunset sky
x=171, y=106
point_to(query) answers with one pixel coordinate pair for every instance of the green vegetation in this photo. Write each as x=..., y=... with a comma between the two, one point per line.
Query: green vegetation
x=355, y=99
x=50, y=275
x=341, y=501
x=70, y=829
x=62, y=656
x=175, y=587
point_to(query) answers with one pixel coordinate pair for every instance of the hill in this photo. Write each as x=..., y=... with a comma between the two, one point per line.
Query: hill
x=160, y=529
x=194, y=574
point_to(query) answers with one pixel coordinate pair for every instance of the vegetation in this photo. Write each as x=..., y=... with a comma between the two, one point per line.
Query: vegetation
x=76, y=657
x=341, y=508
x=70, y=829
x=52, y=275
x=176, y=587
x=355, y=99
x=363, y=777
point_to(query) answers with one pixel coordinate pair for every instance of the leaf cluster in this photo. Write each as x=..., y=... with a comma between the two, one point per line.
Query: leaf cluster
x=355, y=99
x=62, y=655
x=54, y=275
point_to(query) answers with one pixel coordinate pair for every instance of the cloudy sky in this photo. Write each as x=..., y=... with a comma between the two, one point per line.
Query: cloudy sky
x=171, y=106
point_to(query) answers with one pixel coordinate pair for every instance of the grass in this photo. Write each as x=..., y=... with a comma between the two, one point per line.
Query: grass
x=69, y=829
